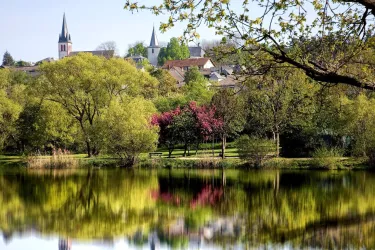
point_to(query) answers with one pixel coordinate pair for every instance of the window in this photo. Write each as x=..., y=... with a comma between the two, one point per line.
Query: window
x=62, y=48
x=152, y=51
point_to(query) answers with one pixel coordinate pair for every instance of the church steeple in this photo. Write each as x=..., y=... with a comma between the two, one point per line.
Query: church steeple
x=65, y=36
x=154, y=43
x=154, y=49
x=65, y=40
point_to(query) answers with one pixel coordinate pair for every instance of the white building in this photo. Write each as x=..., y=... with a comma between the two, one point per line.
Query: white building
x=154, y=49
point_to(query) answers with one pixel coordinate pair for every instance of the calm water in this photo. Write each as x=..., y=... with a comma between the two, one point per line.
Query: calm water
x=113, y=209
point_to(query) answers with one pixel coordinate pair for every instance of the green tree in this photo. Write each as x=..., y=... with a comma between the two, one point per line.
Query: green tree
x=196, y=87
x=137, y=49
x=230, y=108
x=174, y=51
x=45, y=125
x=85, y=85
x=254, y=149
x=356, y=120
x=322, y=38
x=167, y=84
x=281, y=98
x=10, y=108
x=193, y=75
x=128, y=130
x=167, y=103
x=22, y=64
x=8, y=59
x=198, y=92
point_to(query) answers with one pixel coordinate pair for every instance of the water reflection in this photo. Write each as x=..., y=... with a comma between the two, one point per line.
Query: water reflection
x=184, y=209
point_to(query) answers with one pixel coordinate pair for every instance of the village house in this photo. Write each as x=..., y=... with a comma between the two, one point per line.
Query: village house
x=186, y=64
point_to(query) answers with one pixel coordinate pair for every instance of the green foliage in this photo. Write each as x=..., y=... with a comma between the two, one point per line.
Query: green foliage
x=137, y=49
x=280, y=99
x=255, y=150
x=10, y=107
x=167, y=84
x=22, y=64
x=327, y=47
x=8, y=59
x=167, y=103
x=194, y=76
x=198, y=91
x=174, y=51
x=357, y=121
x=126, y=129
x=45, y=126
x=327, y=158
x=231, y=110
x=85, y=85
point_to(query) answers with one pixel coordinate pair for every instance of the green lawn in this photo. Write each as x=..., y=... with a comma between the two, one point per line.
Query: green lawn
x=205, y=150
x=230, y=152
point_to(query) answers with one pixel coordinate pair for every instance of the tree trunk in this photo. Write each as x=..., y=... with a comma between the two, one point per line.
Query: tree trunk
x=213, y=147
x=89, y=154
x=277, y=144
x=223, y=145
x=185, y=149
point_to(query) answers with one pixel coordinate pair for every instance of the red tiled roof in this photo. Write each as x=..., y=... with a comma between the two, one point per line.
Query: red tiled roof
x=190, y=62
x=177, y=74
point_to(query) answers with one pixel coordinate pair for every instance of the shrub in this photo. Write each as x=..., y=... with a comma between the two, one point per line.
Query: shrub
x=327, y=158
x=59, y=159
x=255, y=150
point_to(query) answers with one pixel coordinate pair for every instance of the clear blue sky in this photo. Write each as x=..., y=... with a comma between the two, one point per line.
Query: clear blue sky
x=30, y=28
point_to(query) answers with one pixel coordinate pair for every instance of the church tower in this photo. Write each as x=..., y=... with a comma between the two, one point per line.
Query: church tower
x=65, y=41
x=154, y=49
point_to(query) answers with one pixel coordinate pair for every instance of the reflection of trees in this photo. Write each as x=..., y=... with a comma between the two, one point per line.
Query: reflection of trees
x=85, y=205
x=316, y=209
x=65, y=244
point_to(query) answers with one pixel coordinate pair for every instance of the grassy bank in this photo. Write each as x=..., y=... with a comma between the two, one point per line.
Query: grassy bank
x=199, y=160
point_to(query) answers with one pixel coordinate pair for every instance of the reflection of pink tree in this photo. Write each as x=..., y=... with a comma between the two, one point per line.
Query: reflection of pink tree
x=166, y=197
x=208, y=196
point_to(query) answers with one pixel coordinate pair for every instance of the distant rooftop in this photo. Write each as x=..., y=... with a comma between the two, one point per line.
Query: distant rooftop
x=196, y=51
x=190, y=62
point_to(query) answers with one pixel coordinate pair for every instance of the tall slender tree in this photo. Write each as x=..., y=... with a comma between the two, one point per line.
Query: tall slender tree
x=8, y=59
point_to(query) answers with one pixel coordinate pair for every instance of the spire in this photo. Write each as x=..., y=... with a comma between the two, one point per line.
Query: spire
x=64, y=36
x=154, y=40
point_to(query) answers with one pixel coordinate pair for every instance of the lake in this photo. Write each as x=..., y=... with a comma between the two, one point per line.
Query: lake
x=186, y=209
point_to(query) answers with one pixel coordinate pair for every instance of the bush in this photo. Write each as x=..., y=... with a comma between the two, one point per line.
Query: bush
x=59, y=159
x=327, y=158
x=255, y=150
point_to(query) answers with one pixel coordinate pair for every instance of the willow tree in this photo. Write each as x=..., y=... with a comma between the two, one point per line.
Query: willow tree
x=327, y=40
x=85, y=85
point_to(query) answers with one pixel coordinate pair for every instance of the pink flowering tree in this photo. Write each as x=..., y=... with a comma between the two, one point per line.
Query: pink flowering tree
x=189, y=125
x=167, y=135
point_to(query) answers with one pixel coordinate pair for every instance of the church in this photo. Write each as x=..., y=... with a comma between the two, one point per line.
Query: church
x=65, y=47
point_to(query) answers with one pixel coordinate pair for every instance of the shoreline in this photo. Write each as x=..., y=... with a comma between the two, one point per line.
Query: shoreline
x=346, y=163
